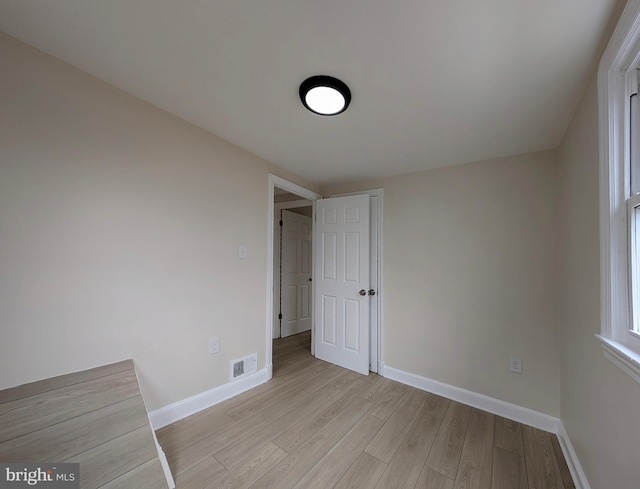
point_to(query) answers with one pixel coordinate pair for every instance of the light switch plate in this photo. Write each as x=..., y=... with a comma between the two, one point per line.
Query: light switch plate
x=515, y=365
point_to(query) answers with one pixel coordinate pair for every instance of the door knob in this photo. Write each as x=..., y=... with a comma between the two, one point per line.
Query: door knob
x=363, y=292
x=372, y=292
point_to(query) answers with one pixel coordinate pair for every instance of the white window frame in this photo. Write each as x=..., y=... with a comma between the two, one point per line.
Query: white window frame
x=621, y=57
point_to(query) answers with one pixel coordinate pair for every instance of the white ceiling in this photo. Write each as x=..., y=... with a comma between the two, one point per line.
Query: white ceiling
x=434, y=82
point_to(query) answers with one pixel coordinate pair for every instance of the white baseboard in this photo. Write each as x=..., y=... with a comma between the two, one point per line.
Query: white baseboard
x=269, y=369
x=480, y=401
x=501, y=408
x=578, y=475
x=186, y=407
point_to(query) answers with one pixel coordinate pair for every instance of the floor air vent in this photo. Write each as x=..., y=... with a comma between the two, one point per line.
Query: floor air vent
x=244, y=366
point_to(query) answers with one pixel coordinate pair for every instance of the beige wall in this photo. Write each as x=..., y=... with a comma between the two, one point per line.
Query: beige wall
x=119, y=235
x=470, y=276
x=600, y=403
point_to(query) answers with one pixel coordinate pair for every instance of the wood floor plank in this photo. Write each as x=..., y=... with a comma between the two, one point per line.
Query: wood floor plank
x=251, y=469
x=437, y=406
x=542, y=467
x=405, y=467
x=351, y=377
x=509, y=435
x=95, y=417
x=193, y=429
x=310, y=371
x=376, y=388
x=323, y=379
x=330, y=469
x=288, y=472
x=289, y=356
x=290, y=350
x=301, y=430
x=562, y=463
x=201, y=474
x=303, y=337
x=32, y=413
x=431, y=479
x=285, y=355
x=240, y=399
x=54, y=383
x=444, y=457
x=249, y=442
x=68, y=438
x=509, y=471
x=110, y=460
x=390, y=401
x=389, y=438
x=364, y=472
x=475, y=468
x=301, y=341
x=302, y=377
x=275, y=396
x=145, y=476
x=289, y=363
x=194, y=453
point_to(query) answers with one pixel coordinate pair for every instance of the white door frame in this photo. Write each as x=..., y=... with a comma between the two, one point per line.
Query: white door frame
x=377, y=193
x=275, y=181
x=280, y=206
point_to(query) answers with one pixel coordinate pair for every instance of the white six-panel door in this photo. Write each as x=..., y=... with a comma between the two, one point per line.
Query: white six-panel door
x=296, y=273
x=341, y=278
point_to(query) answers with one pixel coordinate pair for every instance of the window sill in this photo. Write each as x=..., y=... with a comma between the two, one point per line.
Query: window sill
x=622, y=357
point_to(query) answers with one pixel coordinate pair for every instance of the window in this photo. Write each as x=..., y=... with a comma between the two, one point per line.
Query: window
x=632, y=195
x=619, y=104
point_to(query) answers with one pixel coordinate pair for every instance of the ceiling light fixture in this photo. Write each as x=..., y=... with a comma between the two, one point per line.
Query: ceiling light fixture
x=325, y=95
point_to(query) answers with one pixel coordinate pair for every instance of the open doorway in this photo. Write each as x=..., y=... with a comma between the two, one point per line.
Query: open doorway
x=290, y=286
x=292, y=279
x=282, y=190
x=292, y=264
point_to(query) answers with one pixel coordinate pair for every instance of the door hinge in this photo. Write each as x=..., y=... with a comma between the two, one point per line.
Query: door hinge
x=279, y=316
x=281, y=223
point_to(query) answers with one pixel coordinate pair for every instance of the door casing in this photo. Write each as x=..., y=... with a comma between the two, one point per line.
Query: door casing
x=275, y=181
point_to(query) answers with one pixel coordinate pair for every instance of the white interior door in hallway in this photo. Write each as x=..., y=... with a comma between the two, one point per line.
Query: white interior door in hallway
x=296, y=306
x=341, y=248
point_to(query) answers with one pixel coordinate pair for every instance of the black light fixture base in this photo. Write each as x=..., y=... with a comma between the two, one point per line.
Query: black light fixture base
x=329, y=82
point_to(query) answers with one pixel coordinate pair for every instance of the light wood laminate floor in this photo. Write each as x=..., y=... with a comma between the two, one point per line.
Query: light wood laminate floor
x=95, y=418
x=315, y=425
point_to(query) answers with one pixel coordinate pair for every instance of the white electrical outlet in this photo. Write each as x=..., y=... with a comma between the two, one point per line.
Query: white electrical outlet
x=515, y=365
x=214, y=346
x=242, y=252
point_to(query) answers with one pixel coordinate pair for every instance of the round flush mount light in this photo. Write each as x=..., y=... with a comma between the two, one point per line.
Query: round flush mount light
x=325, y=95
